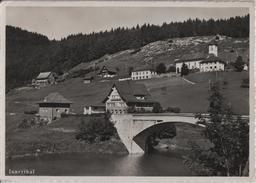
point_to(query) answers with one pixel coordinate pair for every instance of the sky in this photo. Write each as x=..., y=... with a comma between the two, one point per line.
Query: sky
x=59, y=22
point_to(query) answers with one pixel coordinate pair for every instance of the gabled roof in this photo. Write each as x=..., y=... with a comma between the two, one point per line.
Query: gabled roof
x=43, y=75
x=109, y=71
x=55, y=98
x=212, y=59
x=128, y=92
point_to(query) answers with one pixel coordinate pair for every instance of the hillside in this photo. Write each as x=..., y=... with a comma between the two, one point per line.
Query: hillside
x=28, y=53
x=167, y=51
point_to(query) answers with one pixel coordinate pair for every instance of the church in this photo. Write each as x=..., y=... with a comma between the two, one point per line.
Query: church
x=199, y=62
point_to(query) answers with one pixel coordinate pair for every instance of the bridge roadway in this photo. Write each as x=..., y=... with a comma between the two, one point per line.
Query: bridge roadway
x=130, y=125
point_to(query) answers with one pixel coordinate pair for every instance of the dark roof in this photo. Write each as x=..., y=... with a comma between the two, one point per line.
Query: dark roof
x=55, y=98
x=144, y=68
x=213, y=42
x=129, y=90
x=88, y=78
x=212, y=59
x=191, y=57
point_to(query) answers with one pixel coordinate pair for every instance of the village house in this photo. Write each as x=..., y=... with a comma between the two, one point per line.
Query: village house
x=44, y=79
x=95, y=109
x=87, y=80
x=126, y=95
x=106, y=73
x=53, y=106
x=139, y=74
x=202, y=63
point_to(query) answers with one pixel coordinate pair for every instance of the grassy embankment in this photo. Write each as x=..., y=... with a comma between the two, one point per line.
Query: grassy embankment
x=173, y=92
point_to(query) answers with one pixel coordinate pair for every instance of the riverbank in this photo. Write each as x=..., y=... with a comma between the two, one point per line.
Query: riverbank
x=58, y=137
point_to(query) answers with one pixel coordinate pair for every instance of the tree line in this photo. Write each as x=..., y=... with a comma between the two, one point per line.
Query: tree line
x=28, y=53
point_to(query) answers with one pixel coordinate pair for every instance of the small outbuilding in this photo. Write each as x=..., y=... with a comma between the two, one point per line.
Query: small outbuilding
x=53, y=106
x=87, y=80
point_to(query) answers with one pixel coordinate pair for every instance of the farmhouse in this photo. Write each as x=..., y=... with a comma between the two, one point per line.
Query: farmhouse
x=53, y=106
x=106, y=73
x=202, y=63
x=127, y=95
x=143, y=74
x=44, y=79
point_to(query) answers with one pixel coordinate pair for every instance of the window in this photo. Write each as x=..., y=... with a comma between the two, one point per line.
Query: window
x=57, y=110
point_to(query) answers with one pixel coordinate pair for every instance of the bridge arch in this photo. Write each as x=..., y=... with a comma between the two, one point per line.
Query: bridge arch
x=143, y=139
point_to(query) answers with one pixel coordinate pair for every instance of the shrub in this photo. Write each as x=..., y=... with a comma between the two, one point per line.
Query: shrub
x=239, y=64
x=24, y=124
x=64, y=115
x=160, y=68
x=173, y=109
x=30, y=112
x=157, y=108
x=184, y=70
x=96, y=130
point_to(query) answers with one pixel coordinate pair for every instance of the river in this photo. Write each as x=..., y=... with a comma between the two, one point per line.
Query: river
x=84, y=164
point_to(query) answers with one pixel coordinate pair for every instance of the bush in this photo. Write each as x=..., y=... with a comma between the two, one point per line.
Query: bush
x=157, y=108
x=173, y=109
x=30, y=112
x=96, y=130
x=160, y=68
x=24, y=124
x=239, y=64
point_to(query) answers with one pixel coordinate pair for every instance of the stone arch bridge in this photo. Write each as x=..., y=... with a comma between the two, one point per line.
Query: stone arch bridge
x=130, y=125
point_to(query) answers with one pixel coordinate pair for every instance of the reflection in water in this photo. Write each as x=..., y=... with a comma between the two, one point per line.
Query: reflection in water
x=155, y=164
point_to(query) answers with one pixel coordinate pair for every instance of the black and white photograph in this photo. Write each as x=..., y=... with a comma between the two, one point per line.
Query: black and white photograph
x=121, y=90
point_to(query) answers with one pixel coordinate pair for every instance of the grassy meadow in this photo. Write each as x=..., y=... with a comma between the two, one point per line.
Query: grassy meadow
x=60, y=135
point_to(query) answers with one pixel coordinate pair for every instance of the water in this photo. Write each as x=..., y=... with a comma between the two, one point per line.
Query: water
x=84, y=164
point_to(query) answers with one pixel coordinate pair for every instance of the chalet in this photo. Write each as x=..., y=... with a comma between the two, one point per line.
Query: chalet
x=44, y=79
x=106, y=73
x=87, y=80
x=53, y=106
x=95, y=109
x=127, y=95
x=146, y=73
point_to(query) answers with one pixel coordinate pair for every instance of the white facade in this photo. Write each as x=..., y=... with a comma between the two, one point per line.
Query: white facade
x=191, y=65
x=213, y=49
x=115, y=104
x=94, y=110
x=143, y=74
x=212, y=66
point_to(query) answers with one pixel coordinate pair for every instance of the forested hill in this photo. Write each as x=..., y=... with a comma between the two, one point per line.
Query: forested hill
x=29, y=53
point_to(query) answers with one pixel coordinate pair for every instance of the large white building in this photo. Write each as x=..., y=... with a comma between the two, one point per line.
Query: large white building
x=208, y=63
x=143, y=74
x=212, y=64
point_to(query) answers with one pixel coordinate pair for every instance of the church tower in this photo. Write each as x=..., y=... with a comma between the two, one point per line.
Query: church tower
x=213, y=49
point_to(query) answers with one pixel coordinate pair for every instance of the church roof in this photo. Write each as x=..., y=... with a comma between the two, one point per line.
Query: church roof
x=212, y=59
x=55, y=98
x=129, y=90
